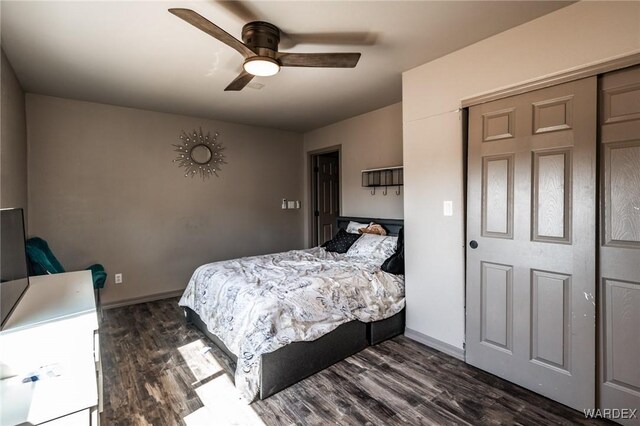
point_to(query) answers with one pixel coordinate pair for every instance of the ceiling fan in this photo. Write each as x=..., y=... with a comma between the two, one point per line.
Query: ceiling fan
x=259, y=47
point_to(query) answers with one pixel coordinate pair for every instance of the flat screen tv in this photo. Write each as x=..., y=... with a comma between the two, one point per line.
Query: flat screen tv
x=14, y=272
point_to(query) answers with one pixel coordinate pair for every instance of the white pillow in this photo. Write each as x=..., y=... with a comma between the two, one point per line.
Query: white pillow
x=373, y=248
x=354, y=227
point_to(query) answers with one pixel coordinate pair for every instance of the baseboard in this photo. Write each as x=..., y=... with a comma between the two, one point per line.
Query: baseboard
x=143, y=299
x=435, y=343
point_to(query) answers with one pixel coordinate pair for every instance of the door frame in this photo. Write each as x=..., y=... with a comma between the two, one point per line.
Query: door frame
x=573, y=74
x=311, y=188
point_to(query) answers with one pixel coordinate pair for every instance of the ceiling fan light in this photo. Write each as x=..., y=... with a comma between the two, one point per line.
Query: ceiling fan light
x=261, y=66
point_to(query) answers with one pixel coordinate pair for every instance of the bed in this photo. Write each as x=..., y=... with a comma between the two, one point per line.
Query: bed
x=303, y=311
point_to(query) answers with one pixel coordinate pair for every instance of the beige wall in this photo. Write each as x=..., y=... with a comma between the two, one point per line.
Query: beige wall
x=369, y=140
x=13, y=140
x=103, y=188
x=573, y=37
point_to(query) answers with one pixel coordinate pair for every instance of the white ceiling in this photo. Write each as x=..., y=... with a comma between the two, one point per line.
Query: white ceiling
x=136, y=54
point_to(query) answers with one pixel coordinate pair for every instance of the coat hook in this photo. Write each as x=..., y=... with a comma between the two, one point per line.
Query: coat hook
x=385, y=191
x=373, y=191
x=398, y=191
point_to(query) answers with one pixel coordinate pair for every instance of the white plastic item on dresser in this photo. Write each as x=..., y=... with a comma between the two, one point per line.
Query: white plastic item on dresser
x=79, y=418
x=52, y=334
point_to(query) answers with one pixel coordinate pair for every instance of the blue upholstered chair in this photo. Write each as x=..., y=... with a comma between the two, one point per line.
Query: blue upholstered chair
x=43, y=262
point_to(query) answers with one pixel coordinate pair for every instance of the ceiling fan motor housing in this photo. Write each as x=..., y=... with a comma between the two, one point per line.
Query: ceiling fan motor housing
x=259, y=34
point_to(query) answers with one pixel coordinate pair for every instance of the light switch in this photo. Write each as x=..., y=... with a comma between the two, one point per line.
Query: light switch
x=447, y=208
x=290, y=204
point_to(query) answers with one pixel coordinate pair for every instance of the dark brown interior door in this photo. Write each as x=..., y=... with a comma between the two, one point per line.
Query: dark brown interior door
x=327, y=198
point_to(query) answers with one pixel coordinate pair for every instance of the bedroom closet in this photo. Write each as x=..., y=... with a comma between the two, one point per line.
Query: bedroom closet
x=553, y=240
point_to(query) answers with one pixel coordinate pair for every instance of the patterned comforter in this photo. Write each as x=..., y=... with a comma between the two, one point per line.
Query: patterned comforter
x=257, y=305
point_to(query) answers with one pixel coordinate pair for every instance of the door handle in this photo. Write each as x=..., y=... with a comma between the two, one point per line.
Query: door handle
x=473, y=244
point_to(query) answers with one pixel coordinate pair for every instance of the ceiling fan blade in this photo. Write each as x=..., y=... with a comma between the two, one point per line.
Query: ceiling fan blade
x=240, y=81
x=328, y=60
x=213, y=30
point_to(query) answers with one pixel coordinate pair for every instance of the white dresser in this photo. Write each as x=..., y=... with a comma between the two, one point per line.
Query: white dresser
x=54, y=332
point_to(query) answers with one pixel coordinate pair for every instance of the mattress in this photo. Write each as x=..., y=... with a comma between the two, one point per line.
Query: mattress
x=256, y=305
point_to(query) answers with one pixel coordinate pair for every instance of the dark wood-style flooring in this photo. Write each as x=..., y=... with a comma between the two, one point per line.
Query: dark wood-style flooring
x=159, y=371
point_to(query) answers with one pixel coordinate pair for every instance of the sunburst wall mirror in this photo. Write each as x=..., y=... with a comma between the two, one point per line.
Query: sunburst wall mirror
x=200, y=154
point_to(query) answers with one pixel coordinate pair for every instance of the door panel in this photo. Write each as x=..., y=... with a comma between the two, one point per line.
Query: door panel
x=550, y=318
x=496, y=305
x=498, y=125
x=553, y=114
x=622, y=192
x=620, y=240
x=497, y=199
x=551, y=196
x=532, y=210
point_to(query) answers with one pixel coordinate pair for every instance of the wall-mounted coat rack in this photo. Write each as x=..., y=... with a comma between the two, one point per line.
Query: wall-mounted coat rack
x=385, y=177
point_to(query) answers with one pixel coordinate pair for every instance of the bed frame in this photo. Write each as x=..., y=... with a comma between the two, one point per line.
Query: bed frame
x=298, y=360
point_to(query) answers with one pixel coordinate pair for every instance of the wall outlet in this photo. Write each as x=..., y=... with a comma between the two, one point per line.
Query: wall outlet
x=118, y=278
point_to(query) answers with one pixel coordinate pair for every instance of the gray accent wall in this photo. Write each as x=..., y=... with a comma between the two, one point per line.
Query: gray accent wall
x=567, y=39
x=366, y=141
x=103, y=188
x=13, y=137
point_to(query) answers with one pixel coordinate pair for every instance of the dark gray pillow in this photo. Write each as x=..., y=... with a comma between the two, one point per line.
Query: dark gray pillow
x=341, y=242
x=395, y=263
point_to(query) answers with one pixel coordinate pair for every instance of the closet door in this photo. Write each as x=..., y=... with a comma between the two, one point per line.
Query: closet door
x=620, y=241
x=531, y=220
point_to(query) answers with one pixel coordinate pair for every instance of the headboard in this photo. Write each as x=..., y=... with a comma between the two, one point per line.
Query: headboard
x=392, y=226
